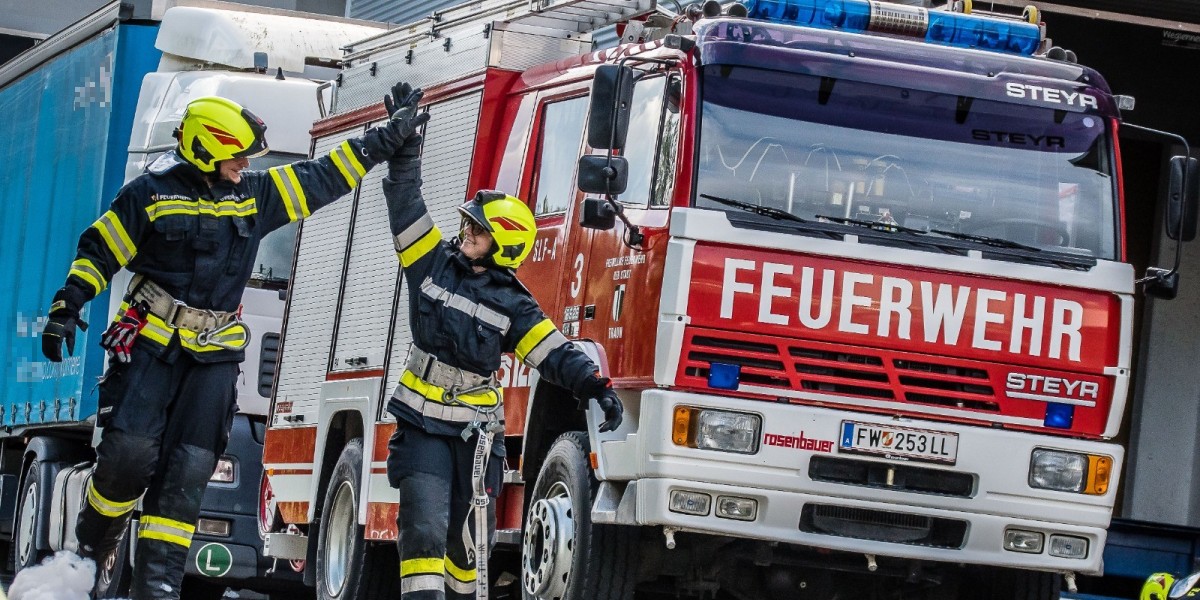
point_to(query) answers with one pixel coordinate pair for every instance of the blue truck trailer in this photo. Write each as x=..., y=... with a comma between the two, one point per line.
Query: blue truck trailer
x=80, y=114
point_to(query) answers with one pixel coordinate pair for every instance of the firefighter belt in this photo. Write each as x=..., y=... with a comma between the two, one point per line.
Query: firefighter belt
x=199, y=329
x=440, y=391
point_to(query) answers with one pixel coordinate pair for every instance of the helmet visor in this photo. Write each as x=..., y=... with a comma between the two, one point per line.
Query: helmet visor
x=257, y=146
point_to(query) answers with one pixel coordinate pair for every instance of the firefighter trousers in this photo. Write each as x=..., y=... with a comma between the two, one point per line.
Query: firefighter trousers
x=433, y=476
x=165, y=423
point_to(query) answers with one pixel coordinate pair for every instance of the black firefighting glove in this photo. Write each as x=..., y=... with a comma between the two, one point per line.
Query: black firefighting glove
x=613, y=410
x=404, y=119
x=600, y=388
x=405, y=165
x=64, y=317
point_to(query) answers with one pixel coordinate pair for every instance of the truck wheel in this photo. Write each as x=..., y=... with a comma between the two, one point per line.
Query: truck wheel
x=24, y=546
x=349, y=568
x=115, y=574
x=565, y=556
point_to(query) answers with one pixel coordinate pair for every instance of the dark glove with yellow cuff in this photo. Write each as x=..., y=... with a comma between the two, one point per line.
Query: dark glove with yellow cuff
x=64, y=318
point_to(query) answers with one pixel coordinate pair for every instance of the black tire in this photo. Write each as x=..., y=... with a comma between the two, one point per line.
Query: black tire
x=597, y=562
x=1015, y=584
x=25, y=522
x=199, y=588
x=115, y=574
x=348, y=567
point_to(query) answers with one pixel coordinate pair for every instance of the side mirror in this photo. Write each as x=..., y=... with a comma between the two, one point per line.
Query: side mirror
x=596, y=176
x=598, y=214
x=1182, y=204
x=608, y=115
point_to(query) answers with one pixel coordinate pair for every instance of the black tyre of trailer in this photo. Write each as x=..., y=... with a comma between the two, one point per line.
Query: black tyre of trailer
x=114, y=575
x=349, y=567
x=1014, y=584
x=199, y=588
x=25, y=526
x=565, y=556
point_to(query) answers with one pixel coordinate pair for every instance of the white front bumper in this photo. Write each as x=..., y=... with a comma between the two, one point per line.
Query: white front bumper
x=778, y=478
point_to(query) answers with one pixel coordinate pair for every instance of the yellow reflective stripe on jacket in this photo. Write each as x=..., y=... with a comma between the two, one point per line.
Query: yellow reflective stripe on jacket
x=106, y=507
x=87, y=271
x=294, y=200
x=533, y=337
x=345, y=161
x=110, y=228
x=166, y=530
x=159, y=332
x=421, y=247
x=228, y=208
x=414, y=566
x=437, y=394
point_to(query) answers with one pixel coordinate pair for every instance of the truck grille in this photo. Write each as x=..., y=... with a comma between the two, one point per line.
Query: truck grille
x=822, y=367
x=903, y=478
x=899, y=528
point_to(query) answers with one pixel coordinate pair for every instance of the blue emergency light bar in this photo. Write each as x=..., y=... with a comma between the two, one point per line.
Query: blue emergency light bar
x=936, y=27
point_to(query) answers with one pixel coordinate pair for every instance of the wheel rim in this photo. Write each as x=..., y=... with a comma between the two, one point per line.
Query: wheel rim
x=26, y=522
x=339, y=538
x=549, y=546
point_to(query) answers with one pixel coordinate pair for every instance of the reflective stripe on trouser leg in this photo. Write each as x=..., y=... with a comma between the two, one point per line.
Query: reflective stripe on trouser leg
x=124, y=467
x=422, y=523
x=170, y=511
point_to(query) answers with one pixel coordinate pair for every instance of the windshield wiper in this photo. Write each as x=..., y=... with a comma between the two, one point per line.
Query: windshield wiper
x=983, y=239
x=765, y=211
x=873, y=225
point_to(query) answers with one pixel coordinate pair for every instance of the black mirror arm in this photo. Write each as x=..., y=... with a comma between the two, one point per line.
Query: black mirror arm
x=1156, y=274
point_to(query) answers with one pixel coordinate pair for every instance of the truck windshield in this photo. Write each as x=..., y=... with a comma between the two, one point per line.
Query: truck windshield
x=829, y=150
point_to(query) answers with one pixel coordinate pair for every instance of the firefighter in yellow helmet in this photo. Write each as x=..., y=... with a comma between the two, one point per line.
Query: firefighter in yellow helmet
x=189, y=229
x=1164, y=586
x=466, y=309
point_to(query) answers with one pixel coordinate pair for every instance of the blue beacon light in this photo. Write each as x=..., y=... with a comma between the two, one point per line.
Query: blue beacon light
x=724, y=376
x=1059, y=416
x=937, y=27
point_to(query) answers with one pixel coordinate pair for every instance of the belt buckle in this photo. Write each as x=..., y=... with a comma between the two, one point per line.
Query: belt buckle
x=173, y=312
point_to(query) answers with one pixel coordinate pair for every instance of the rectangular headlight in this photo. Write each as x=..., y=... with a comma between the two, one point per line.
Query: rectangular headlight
x=226, y=471
x=740, y=509
x=716, y=429
x=1019, y=540
x=727, y=431
x=214, y=527
x=1058, y=470
x=690, y=503
x=1067, y=546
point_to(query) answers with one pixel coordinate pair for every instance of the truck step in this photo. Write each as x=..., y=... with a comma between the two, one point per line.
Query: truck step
x=508, y=536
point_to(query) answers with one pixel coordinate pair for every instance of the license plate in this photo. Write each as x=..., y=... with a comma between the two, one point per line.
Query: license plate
x=899, y=442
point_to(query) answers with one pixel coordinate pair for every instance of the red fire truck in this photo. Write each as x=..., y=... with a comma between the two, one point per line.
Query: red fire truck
x=857, y=270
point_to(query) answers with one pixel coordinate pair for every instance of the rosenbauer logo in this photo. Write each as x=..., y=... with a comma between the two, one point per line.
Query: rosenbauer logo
x=842, y=302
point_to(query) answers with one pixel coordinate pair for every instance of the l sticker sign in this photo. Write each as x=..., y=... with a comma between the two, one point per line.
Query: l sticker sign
x=214, y=560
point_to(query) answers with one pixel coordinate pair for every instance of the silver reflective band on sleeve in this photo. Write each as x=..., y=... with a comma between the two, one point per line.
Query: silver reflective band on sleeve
x=347, y=164
x=421, y=583
x=413, y=233
x=542, y=350
x=461, y=304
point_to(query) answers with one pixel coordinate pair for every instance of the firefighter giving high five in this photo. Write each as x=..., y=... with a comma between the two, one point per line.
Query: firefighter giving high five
x=466, y=309
x=189, y=229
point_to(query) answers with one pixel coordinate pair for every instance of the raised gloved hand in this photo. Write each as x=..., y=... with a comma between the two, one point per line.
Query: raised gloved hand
x=118, y=339
x=64, y=317
x=610, y=403
x=405, y=165
x=404, y=119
